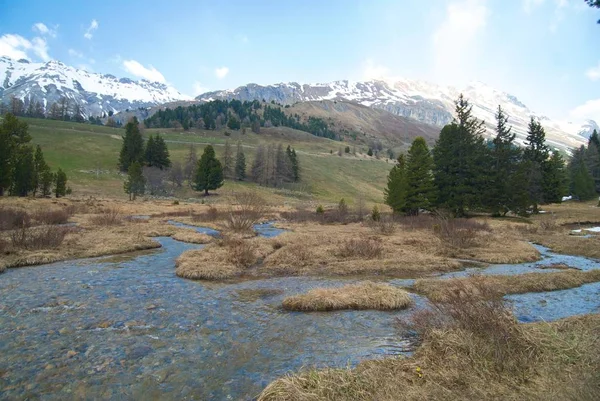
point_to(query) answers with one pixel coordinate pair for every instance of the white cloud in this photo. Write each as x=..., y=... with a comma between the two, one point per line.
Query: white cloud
x=14, y=46
x=593, y=73
x=530, y=5
x=198, y=88
x=43, y=29
x=90, y=30
x=454, y=43
x=588, y=110
x=75, y=53
x=40, y=48
x=221, y=72
x=138, y=70
x=374, y=71
x=17, y=47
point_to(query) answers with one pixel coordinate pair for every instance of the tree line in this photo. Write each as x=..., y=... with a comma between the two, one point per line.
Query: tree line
x=63, y=110
x=148, y=165
x=23, y=170
x=465, y=173
x=584, y=170
x=236, y=115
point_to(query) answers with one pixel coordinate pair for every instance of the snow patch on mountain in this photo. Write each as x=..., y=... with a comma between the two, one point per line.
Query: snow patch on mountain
x=96, y=93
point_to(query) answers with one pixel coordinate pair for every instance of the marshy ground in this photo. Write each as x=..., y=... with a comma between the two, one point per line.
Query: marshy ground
x=415, y=254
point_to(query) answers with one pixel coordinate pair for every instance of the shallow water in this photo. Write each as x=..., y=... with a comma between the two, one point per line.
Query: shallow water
x=129, y=328
x=126, y=327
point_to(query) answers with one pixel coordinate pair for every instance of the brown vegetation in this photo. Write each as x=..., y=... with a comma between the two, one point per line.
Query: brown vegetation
x=473, y=349
x=192, y=237
x=437, y=289
x=366, y=295
x=247, y=210
x=109, y=216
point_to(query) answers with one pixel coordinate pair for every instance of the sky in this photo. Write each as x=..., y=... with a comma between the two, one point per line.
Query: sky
x=545, y=52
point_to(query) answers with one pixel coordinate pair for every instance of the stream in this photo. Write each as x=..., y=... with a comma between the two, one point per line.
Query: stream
x=125, y=327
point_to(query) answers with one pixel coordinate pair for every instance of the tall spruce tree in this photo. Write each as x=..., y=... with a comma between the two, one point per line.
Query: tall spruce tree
x=133, y=145
x=191, y=162
x=460, y=161
x=420, y=192
x=536, y=153
x=40, y=168
x=60, y=188
x=22, y=171
x=209, y=174
x=555, y=178
x=258, y=168
x=240, y=163
x=592, y=161
x=149, y=152
x=227, y=162
x=291, y=153
x=581, y=181
x=135, y=184
x=397, y=187
x=157, y=153
x=504, y=156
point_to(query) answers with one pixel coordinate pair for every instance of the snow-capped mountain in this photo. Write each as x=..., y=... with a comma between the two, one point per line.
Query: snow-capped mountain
x=423, y=101
x=95, y=93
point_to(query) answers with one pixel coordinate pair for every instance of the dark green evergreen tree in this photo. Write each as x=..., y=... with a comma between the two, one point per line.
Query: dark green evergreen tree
x=161, y=154
x=47, y=178
x=135, y=184
x=40, y=168
x=240, y=163
x=581, y=181
x=420, y=192
x=22, y=171
x=209, y=174
x=555, y=178
x=133, y=145
x=61, y=184
x=295, y=167
x=592, y=161
x=460, y=160
x=397, y=187
x=504, y=157
x=228, y=163
x=536, y=153
x=149, y=153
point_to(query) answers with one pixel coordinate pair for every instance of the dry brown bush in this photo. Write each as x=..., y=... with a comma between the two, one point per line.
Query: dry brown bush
x=240, y=253
x=459, y=233
x=52, y=216
x=386, y=225
x=109, y=216
x=35, y=238
x=367, y=248
x=419, y=222
x=248, y=210
x=13, y=218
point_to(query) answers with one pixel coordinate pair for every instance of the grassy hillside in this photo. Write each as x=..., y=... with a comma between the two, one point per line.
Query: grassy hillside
x=89, y=156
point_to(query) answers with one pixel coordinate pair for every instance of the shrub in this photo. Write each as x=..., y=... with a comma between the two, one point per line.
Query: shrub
x=241, y=253
x=56, y=216
x=110, y=216
x=176, y=202
x=320, y=209
x=459, y=233
x=342, y=210
x=384, y=226
x=249, y=210
x=36, y=238
x=13, y=218
x=366, y=248
x=419, y=222
x=375, y=215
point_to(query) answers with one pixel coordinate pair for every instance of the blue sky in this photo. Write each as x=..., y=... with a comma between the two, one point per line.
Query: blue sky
x=546, y=52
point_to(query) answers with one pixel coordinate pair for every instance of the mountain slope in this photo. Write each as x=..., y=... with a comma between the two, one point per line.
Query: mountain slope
x=95, y=93
x=422, y=101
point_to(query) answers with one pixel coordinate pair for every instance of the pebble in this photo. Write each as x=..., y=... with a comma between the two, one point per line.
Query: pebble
x=71, y=354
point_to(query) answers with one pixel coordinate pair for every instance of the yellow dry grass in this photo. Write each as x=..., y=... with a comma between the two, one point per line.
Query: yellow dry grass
x=457, y=365
x=191, y=236
x=436, y=289
x=365, y=295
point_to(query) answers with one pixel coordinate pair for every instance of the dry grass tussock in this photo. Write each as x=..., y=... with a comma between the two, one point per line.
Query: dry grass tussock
x=192, y=237
x=11, y=218
x=40, y=237
x=224, y=259
x=472, y=349
x=366, y=295
x=109, y=216
x=52, y=216
x=437, y=289
x=247, y=210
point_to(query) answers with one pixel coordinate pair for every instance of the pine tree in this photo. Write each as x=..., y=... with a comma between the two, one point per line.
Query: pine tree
x=420, y=191
x=209, y=174
x=6, y=152
x=47, y=178
x=133, y=145
x=191, y=162
x=581, y=181
x=536, y=152
x=397, y=187
x=14, y=135
x=555, y=178
x=227, y=160
x=460, y=162
x=258, y=168
x=504, y=156
x=61, y=184
x=283, y=168
x=149, y=153
x=518, y=200
x=22, y=171
x=240, y=164
x=592, y=161
x=295, y=168
x=40, y=168
x=135, y=184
